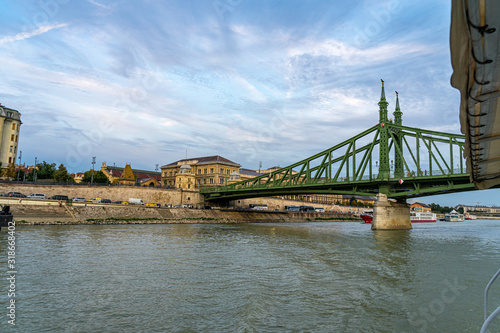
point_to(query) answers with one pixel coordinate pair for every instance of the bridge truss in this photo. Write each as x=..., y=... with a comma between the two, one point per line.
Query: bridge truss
x=399, y=161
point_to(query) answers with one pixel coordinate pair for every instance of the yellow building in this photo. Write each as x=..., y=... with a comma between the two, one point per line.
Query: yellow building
x=10, y=123
x=193, y=173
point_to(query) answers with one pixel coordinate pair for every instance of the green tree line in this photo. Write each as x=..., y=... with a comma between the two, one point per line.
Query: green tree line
x=48, y=171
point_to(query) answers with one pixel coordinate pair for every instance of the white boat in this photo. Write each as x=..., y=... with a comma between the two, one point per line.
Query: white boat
x=470, y=217
x=453, y=216
x=417, y=217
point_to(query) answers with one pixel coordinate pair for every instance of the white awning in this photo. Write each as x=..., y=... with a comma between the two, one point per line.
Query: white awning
x=475, y=57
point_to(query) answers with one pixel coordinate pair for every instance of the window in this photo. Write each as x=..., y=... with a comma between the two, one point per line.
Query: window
x=221, y=170
x=221, y=181
x=211, y=179
x=228, y=171
x=13, y=126
x=205, y=170
x=16, y=138
x=199, y=171
x=18, y=127
x=12, y=137
x=211, y=170
x=10, y=160
x=11, y=149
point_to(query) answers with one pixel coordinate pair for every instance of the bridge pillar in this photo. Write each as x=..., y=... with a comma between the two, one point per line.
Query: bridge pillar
x=389, y=215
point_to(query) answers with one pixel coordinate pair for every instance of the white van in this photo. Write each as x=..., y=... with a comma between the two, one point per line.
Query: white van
x=78, y=199
x=135, y=201
x=36, y=196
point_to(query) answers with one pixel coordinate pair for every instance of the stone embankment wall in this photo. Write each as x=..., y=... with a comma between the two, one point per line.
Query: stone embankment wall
x=114, y=193
x=110, y=214
x=278, y=203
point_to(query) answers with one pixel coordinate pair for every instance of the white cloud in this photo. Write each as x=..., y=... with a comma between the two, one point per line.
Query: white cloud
x=99, y=4
x=26, y=35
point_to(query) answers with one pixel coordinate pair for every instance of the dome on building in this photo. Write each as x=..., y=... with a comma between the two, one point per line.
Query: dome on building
x=185, y=168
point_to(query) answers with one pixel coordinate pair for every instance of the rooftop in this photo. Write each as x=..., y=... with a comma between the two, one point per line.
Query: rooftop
x=200, y=160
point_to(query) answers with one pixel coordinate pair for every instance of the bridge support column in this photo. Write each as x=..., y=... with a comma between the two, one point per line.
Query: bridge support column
x=388, y=215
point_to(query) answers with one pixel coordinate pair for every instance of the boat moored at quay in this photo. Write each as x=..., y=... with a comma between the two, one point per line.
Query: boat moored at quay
x=415, y=217
x=454, y=216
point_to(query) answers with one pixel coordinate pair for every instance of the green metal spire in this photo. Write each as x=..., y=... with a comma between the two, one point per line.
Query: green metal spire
x=398, y=115
x=398, y=141
x=384, y=169
x=383, y=105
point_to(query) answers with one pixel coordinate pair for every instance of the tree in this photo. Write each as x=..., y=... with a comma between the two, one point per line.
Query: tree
x=353, y=202
x=61, y=175
x=9, y=171
x=45, y=170
x=22, y=174
x=99, y=177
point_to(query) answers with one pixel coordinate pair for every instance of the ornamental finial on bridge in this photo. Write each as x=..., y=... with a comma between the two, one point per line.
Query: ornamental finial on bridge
x=398, y=115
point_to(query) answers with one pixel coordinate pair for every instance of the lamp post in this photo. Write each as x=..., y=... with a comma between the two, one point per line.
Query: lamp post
x=93, y=163
x=34, y=172
x=19, y=171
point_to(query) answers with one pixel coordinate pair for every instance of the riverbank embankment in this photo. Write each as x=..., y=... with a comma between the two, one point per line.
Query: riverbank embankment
x=115, y=214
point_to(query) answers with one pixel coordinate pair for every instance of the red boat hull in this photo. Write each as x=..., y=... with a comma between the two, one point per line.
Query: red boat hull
x=367, y=218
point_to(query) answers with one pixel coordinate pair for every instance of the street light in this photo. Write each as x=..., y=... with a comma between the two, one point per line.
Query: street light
x=93, y=163
x=19, y=171
x=34, y=172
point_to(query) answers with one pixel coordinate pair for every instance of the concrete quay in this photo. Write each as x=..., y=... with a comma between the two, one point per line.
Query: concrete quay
x=119, y=214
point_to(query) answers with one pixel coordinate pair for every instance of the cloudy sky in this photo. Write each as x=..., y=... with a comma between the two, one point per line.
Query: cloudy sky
x=149, y=82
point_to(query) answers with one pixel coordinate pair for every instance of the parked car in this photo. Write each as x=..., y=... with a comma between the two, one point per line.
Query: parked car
x=79, y=199
x=16, y=195
x=59, y=197
x=36, y=196
x=105, y=201
x=124, y=203
x=96, y=200
x=150, y=204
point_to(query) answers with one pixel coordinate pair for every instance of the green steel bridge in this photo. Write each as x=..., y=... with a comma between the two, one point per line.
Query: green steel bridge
x=399, y=161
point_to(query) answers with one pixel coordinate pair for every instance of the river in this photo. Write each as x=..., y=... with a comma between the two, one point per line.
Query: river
x=288, y=277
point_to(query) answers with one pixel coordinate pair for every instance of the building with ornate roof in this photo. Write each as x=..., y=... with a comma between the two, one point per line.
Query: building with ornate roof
x=193, y=173
x=129, y=176
x=10, y=123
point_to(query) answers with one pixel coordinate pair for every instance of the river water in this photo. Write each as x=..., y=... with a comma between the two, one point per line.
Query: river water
x=288, y=277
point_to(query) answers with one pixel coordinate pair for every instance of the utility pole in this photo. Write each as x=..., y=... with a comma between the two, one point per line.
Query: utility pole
x=93, y=163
